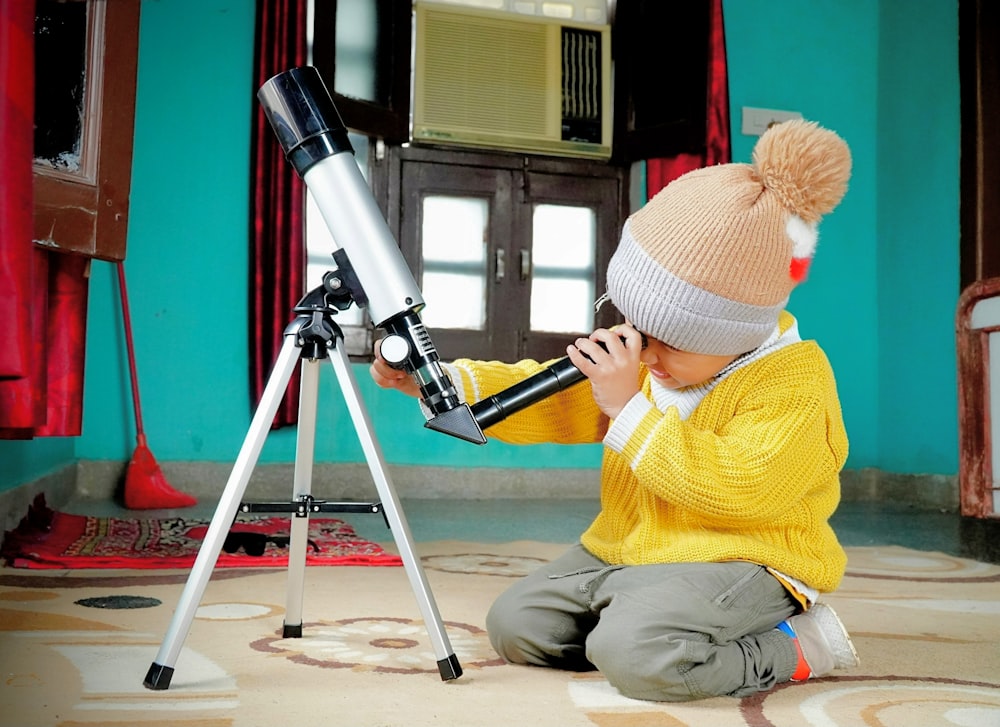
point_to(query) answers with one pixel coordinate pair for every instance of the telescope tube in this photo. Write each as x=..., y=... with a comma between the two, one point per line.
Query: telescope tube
x=555, y=377
x=314, y=139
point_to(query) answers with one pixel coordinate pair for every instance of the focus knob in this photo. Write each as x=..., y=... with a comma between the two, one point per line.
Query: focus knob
x=395, y=350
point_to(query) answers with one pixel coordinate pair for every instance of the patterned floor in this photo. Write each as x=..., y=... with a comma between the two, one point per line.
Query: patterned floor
x=74, y=648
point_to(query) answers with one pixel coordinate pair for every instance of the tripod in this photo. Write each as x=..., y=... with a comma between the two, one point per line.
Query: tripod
x=311, y=336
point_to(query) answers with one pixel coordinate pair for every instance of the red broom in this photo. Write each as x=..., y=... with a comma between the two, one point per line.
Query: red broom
x=145, y=486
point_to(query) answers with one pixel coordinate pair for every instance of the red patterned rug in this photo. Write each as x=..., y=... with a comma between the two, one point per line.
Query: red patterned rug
x=49, y=539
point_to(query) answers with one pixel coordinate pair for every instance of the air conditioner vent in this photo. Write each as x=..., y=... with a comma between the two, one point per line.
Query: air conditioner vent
x=581, y=91
x=485, y=73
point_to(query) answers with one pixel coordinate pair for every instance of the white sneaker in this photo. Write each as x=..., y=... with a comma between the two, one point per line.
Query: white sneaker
x=822, y=642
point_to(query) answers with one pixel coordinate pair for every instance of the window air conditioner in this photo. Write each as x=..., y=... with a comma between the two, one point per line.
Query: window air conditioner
x=516, y=82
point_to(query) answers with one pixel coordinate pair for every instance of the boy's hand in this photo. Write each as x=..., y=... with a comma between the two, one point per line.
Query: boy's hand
x=389, y=378
x=610, y=359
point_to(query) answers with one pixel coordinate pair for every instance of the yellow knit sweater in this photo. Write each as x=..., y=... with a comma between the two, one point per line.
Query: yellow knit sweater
x=751, y=474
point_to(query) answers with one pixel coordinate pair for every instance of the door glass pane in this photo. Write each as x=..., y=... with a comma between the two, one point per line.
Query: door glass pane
x=562, y=278
x=320, y=244
x=453, y=239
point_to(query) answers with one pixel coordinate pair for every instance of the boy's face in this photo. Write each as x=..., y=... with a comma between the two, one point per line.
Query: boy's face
x=676, y=369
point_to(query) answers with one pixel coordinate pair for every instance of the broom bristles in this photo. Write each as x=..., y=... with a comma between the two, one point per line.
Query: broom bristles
x=146, y=487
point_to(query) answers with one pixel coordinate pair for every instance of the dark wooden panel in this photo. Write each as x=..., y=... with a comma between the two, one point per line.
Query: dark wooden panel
x=979, y=71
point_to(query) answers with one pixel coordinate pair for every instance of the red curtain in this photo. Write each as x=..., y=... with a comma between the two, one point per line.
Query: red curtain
x=660, y=172
x=277, y=238
x=17, y=47
x=43, y=294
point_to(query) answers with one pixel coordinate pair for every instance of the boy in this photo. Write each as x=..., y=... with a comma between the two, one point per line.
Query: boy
x=723, y=445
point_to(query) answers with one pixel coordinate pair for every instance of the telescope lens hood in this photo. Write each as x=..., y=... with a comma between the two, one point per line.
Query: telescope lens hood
x=302, y=114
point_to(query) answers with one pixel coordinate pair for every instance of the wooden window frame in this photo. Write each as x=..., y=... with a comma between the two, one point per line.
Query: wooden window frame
x=390, y=121
x=87, y=212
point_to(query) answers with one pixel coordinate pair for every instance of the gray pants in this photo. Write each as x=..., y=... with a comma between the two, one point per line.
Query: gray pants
x=666, y=632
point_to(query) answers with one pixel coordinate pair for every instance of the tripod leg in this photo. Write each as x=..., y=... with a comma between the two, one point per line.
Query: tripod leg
x=448, y=664
x=305, y=449
x=162, y=669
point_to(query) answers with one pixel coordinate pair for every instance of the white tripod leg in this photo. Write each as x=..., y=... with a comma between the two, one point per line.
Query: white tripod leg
x=305, y=449
x=448, y=664
x=162, y=669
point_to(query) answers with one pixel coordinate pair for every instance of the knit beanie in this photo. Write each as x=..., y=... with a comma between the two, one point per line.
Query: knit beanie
x=708, y=264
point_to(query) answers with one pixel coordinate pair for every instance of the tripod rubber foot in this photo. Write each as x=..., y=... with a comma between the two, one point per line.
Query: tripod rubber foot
x=158, y=676
x=450, y=668
x=291, y=631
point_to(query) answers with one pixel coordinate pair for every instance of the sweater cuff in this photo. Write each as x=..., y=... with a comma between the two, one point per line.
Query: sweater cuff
x=625, y=424
x=458, y=377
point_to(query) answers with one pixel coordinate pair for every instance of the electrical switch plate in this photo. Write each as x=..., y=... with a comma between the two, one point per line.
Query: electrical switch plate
x=757, y=121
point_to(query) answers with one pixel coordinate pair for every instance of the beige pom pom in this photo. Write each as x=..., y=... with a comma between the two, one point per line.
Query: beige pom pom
x=806, y=165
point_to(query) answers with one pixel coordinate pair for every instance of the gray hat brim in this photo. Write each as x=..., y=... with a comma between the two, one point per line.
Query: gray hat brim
x=680, y=314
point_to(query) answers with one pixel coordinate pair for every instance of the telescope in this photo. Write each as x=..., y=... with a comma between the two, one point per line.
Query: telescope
x=370, y=264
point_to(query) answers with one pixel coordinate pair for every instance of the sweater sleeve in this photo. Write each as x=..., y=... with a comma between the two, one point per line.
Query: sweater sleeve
x=774, y=435
x=569, y=416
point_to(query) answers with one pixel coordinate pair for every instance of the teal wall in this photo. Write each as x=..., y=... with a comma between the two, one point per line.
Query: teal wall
x=821, y=59
x=880, y=297
x=22, y=462
x=187, y=244
x=917, y=236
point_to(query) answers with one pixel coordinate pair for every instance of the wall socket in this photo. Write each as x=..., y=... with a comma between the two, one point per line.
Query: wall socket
x=757, y=121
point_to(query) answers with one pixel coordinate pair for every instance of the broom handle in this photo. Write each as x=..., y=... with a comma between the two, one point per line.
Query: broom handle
x=131, y=352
